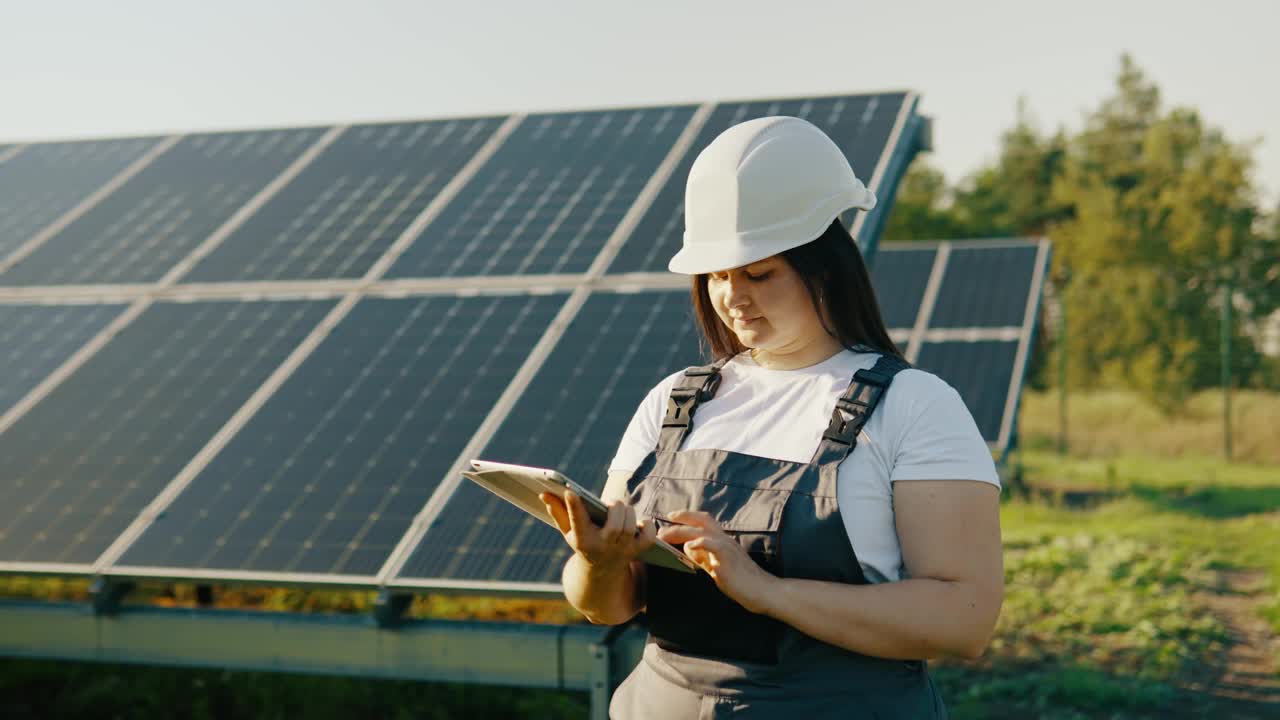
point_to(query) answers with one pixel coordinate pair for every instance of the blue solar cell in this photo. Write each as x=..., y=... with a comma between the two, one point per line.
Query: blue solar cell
x=329, y=474
x=77, y=468
x=985, y=286
x=550, y=197
x=45, y=180
x=144, y=228
x=859, y=124
x=980, y=371
x=571, y=417
x=346, y=208
x=899, y=275
x=36, y=339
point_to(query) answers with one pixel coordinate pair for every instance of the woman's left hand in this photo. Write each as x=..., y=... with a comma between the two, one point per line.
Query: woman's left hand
x=723, y=557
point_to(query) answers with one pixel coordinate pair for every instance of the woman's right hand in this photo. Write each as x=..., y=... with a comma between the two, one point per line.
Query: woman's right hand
x=621, y=539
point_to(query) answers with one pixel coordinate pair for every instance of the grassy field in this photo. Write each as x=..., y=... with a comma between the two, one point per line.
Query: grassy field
x=1116, y=422
x=1142, y=576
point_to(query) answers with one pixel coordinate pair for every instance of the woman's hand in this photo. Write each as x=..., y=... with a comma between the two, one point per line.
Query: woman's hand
x=723, y=557
x=615, y=544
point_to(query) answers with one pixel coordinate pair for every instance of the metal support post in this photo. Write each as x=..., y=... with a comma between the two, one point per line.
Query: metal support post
x=1226, y=370
x=389, y=608
x=108, y=595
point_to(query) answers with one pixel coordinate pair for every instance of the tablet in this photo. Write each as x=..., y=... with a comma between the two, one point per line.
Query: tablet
x=520, y=485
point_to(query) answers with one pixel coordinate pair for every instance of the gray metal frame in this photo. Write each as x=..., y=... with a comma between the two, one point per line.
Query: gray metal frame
x=587, y=658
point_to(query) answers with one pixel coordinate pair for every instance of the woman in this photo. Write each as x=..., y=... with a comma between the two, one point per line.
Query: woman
x=842, y=507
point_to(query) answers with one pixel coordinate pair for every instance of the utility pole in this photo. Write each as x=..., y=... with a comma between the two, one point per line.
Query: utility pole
x=1226, y=368
x=1062, y=366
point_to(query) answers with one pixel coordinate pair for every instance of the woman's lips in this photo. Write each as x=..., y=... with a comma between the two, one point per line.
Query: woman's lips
x=747, y=321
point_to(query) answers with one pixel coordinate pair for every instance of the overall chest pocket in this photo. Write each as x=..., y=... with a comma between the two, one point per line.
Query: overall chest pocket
x=753, y=516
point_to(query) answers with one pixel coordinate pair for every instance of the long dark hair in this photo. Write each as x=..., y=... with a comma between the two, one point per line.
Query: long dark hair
x=835, y=276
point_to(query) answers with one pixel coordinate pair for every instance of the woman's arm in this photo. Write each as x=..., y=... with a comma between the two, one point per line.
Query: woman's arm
x=950, y=535
x=602, y=579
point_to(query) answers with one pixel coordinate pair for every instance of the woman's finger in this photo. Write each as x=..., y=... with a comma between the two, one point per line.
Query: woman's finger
x=696, y=518
x=579, y=522
x=648, y=535
x=555, y=506
x=677, y=534
x=613, y=529
x=694, y=551
x=629, y=521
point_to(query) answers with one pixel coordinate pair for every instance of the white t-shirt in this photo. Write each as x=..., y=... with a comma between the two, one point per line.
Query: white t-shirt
x=922, y=430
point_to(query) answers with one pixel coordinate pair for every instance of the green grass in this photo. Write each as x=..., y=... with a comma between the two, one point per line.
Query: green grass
x=1105, y=423
x=1103, y=570
x=42, y=689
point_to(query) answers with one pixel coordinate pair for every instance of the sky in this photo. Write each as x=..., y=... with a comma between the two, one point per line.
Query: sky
x=131, y=67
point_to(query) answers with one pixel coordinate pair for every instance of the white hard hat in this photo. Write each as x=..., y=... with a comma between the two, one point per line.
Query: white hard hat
x=761, y=187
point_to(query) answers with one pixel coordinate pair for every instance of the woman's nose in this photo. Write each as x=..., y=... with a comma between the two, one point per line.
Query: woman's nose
x=735, y=293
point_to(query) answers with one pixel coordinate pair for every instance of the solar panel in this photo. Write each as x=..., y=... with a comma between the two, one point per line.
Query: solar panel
x=899, y=275
x=346, y=208
x=569, y=417
x=985, y=286
x=79, y=466
x=45, y=180
x=550, y=197
x=36, y=339
x=966, y=311
x=328, y=475
x=860, y=124
x=980, y=371
x=144, y=228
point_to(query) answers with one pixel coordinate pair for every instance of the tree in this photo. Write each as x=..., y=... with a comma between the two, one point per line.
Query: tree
x=1009, y=198
x=1013, y=197
x=1158, y=214
x=920, y=209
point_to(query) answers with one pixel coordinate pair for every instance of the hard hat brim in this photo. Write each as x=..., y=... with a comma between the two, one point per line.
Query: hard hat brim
x=702, y=259
x=725, y=253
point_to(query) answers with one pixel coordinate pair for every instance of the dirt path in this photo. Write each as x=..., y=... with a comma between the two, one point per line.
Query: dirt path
x=1248, y=672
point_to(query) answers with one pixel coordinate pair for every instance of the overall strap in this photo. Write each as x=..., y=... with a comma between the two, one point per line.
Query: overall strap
x=854, y=408
x=697, y=385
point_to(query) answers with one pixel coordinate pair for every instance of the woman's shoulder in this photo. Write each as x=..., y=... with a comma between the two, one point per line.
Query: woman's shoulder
x=914, y=392
x=921, y=383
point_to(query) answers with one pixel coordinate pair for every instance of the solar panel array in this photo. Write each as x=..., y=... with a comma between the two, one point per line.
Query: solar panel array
x=263, y=356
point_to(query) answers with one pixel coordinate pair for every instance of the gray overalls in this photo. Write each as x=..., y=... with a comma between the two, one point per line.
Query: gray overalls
x=707, y=656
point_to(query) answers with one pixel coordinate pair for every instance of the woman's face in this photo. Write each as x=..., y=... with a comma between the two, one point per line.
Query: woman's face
x=766, y=305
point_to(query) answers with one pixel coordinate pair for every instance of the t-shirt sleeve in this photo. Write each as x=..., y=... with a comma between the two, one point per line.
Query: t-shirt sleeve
x=940, y=440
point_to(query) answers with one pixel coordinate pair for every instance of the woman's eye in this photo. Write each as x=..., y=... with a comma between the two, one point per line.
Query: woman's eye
x=759, y=278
